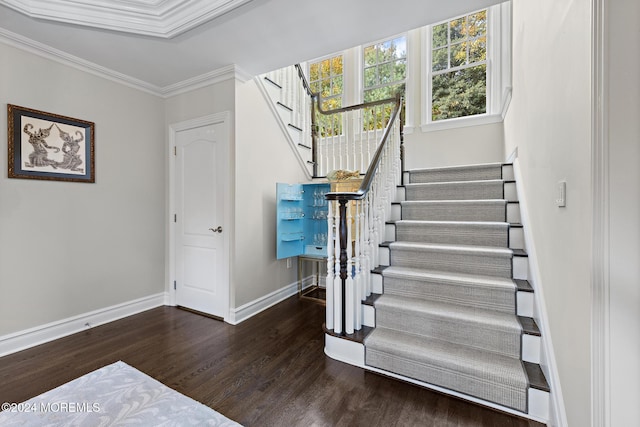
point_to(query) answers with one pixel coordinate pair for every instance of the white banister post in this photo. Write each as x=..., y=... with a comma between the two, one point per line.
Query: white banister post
x=366, y=264
x=349, y=291
x=330, y=269
x=358, y=279
x=337, y=282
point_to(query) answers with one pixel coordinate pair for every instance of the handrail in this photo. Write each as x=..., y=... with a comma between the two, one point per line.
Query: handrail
x=373, y=167
x=355, y=106
x=305, y=83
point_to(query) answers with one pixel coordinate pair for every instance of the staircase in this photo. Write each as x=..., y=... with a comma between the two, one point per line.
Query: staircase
x=290, y=104
x=451, y=306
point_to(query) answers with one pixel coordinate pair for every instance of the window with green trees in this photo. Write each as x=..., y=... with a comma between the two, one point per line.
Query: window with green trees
x=326, y=77
x=384, y=75
x=459, y=67
x=385, y=69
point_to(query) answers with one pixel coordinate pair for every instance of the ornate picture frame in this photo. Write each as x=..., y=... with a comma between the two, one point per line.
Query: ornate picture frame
x=49, y=146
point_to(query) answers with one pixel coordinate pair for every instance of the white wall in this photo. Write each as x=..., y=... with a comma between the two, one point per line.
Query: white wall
x=623, y=63
x=451, y=147
x=263, y=158
x=549, y=122
x=447, y=147
x=71, y=248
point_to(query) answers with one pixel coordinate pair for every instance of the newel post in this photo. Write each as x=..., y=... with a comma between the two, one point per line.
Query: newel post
x=343, y=233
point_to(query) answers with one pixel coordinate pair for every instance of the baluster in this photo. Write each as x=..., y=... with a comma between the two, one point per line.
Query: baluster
x=330, y=269
x=337, y=281
x=357, y=281
x=354, y=140
x=350, y=299
x=366, y=264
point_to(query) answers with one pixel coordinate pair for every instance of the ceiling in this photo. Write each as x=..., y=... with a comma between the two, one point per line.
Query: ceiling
x=159, y=44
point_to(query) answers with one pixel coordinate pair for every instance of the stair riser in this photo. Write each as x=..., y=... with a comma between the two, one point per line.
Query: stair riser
x=449, y=262
x=459, y=234
x=515, y=239
x=505, y=342
x=503, y=300
x=513, y=213
x=494, y=212
x=456, y=191
x=450, y=174
x=456, y=174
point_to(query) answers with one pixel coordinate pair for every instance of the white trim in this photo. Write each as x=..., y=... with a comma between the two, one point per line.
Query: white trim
x=44, y=51
x=283, y=127
x=547, y=353
x=353, y=353
x=600, y=254
x=498, y=73
x=61, y=328
x=460, y=122
x=163, y=19
x=224, y=117
x=216, y=76
x=40, y=49
x=250, y=309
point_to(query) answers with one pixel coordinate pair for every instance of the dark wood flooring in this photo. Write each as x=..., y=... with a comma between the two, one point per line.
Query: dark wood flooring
x=268, y=371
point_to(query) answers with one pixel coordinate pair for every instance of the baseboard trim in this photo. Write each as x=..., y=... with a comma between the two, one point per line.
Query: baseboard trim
x=557, y=412
x=250, y=309
x=32, y=337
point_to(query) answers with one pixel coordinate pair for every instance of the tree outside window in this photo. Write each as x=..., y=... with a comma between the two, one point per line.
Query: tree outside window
x=384, y=76
x=326, y=78
x=459, y=67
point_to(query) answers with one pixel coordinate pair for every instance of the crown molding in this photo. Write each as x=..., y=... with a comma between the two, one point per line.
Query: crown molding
x=216, y=76
x=40, y=49
x=156, y=18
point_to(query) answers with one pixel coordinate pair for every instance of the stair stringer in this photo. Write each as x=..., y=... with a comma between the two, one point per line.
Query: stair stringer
x=557, y=412
x=287, y=132
x=352, y=352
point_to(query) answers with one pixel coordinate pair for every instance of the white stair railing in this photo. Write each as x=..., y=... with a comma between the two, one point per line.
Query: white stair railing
x=356, y=224
x=327, y=140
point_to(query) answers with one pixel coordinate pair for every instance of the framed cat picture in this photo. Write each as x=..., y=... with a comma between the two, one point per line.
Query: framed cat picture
x=49, y=146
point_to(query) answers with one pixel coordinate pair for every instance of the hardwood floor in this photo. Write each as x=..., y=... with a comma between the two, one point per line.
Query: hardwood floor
x=268, y=371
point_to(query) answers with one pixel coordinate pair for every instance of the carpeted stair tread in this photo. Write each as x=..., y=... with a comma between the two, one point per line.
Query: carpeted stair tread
x=484, y=329
x=494, y=293
x=454, y=210
x=485, y=375
x=457, y=190
x=490, y=261
x=483, y=233
x=457, y=173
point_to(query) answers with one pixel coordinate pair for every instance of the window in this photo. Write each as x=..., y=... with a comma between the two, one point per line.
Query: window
x=385, y=69
x=459, y=67
x=466, y=70
x=326, y=78
x=384, y=74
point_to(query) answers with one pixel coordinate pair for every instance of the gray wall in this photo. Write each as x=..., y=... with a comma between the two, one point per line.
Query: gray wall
x=623, y=68
x=71, y=248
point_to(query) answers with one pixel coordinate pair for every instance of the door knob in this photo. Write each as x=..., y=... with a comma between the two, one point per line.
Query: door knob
x=217, y=230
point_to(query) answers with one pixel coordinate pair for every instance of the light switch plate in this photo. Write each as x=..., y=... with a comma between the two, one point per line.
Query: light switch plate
x=561, y=194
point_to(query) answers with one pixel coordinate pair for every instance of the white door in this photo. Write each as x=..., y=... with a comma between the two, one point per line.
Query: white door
x=201, y=266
